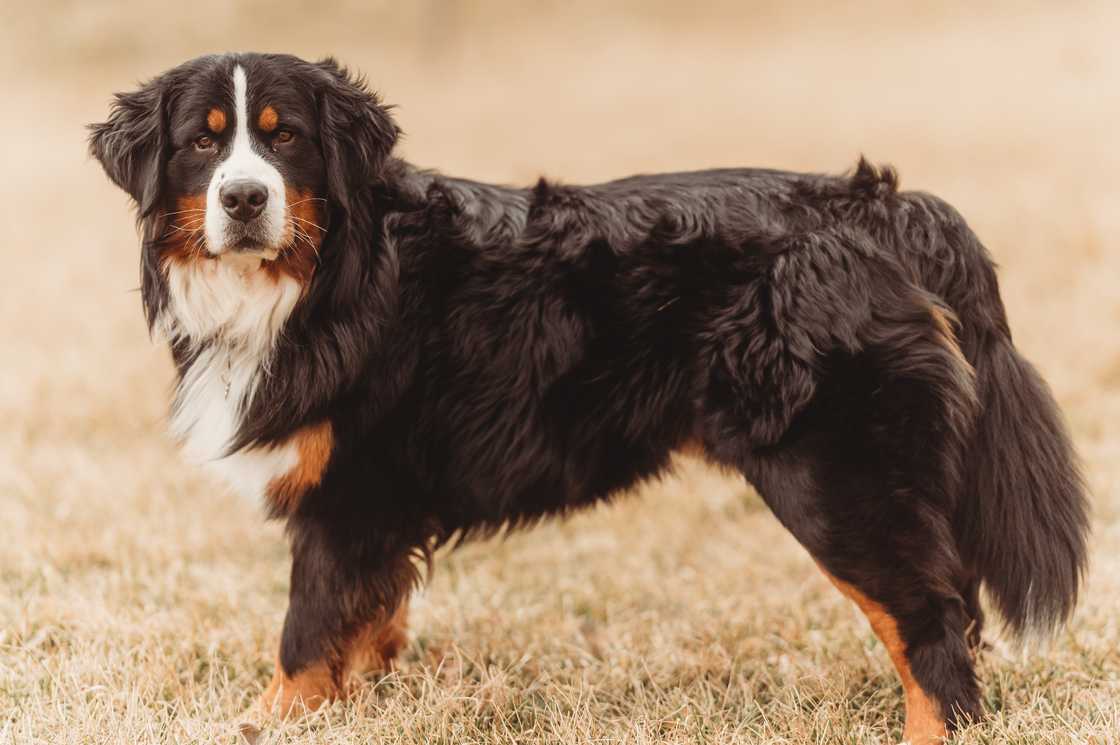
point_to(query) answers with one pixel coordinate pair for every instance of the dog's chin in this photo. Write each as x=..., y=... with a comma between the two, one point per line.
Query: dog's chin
x=246, y=254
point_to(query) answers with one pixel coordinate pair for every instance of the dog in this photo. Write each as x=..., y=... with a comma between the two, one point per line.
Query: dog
x=392, y=360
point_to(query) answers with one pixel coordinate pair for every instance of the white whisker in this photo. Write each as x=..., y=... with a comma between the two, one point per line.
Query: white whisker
x=192, y=227
x=309, y=222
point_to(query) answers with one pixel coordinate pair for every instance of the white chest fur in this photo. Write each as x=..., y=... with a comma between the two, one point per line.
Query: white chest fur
x=234, y=313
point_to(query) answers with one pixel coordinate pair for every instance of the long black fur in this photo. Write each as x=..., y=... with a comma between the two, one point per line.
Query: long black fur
x=489, y=355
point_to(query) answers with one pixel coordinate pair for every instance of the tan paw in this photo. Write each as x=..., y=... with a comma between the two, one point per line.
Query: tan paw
x=305, y=691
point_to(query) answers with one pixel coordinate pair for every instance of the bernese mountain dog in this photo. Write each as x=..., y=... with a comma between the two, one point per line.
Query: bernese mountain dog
x=392, y=359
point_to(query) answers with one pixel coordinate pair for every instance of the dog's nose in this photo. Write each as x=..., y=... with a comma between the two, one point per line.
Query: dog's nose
x=243, y=200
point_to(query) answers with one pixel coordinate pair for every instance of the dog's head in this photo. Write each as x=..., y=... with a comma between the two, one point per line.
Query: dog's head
x=245, y=156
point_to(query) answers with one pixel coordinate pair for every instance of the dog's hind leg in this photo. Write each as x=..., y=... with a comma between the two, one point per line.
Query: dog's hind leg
x=838, y=388
x=975, y=633
x=925, y=716
x=863, y=481
x=915, y=608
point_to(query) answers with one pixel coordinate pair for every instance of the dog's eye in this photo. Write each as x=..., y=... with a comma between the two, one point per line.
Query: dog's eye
x=204, y=142
x=283, y=136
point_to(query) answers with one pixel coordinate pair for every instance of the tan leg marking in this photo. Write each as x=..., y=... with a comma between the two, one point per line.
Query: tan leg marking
x=311, y=687
x=378, y=644
x=924, y=723
x=313, y=445
x=373, y=648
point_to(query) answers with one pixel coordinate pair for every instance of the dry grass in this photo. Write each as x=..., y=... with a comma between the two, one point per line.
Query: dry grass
x=140, y=603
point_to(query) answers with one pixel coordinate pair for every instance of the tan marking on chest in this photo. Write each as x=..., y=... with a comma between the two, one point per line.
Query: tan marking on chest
x=313, y=446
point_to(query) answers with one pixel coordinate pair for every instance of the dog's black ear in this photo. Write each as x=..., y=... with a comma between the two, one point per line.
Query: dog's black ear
x=132, y=143
x=356, y=131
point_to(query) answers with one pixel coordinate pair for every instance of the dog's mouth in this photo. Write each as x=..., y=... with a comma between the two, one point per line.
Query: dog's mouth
x=251, y=245
x=248, y=241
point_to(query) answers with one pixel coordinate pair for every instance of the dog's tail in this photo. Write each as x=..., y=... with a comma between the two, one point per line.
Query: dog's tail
x=1023, y=522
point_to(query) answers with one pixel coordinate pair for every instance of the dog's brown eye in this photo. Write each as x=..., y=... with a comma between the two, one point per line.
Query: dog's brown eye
x=283, y=136
x=204, y=142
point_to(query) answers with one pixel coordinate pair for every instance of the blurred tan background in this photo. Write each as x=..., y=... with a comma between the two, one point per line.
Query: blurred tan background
x=1008, y=109
x=107, y=542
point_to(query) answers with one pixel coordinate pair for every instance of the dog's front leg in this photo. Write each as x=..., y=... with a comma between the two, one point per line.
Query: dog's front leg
x=349, y=589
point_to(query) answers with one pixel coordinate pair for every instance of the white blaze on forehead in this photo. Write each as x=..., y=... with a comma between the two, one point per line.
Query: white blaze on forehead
x=243, y=162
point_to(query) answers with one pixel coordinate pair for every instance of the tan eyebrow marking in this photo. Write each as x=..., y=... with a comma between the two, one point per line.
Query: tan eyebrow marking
x=216, y=120
x=268, y=119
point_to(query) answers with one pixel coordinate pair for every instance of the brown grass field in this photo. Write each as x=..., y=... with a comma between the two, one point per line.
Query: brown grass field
x=141, y=603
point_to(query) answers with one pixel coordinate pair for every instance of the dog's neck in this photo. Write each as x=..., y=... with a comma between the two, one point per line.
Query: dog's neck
x=230, y=301
x=229, y=316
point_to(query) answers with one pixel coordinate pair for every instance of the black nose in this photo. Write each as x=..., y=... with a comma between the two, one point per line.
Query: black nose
x=243, y=200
